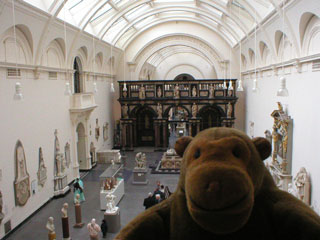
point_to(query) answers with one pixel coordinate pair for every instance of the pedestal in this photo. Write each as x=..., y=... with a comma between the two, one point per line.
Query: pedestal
x=60, y=185
x=140, y=176
x=52, y=236
x=65, y=228
x=79, y=223
x=113, y=221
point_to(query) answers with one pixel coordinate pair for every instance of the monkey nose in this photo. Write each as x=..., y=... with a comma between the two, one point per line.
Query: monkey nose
x=213, y=186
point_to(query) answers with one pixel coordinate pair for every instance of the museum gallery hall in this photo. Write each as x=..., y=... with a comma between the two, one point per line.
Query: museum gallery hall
x=95, y=93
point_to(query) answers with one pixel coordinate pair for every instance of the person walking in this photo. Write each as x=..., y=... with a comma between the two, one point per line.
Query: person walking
x=104, y=228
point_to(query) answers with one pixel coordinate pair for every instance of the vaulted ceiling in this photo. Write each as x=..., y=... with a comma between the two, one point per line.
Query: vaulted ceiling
x=119, y=22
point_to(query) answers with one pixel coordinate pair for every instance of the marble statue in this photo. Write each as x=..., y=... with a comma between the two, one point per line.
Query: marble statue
x=229, y=110
x=140, y=160
x=159, y=110
x=125, y=111
x=194, y=110
x=142, y=92
x=67, y=154
x=22, y=179
x=302, y=183
x=94, y=229
x=211, y=91
x=50, y=227
x=97, y=130
x=159, y=92
x=176, y=91
x=110, y=206
x=64, y=210
x=42, y=170
x=58, y=156
x=194, y=91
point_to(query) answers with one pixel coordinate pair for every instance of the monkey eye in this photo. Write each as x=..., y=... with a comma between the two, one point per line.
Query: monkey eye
x=197, y=154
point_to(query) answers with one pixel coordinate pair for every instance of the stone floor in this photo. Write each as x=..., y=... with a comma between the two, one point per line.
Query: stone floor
x=130, y=205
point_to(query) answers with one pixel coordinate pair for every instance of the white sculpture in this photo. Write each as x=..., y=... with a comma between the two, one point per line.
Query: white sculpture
x=93, y=229
x=194, y=91
x=302, y=183
x=125, y=111
x=141, y=160
x=142, y=92
x=111, y=207
x=176, y=91
x=159, y=92
x=64, y=210
x=51, y=228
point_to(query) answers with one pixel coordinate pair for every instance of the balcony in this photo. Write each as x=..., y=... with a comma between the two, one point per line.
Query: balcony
x=81, y=102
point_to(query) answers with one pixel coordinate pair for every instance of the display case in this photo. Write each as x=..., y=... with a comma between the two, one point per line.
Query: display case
x=111, y=182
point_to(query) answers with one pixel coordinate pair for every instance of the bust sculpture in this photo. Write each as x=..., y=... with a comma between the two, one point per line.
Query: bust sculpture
x=64, y=210
x=93, y=229
x=77, y=199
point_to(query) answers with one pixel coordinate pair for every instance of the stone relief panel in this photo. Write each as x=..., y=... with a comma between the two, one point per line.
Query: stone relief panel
x=42, y=170
x=22, y=178
x=302, y=183
x=97, y=130
x=105, y=131
x=60, y=164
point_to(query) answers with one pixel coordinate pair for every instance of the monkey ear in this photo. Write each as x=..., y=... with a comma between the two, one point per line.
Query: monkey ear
x=263, y=146
x=181, y=145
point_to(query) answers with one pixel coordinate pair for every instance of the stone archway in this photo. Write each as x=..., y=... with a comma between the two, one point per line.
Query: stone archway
x=210, y=117
x=77, y=81
x=184, y=77
x=144, y=126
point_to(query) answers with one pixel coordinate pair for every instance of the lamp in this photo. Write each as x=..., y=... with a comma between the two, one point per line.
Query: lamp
x=255, y=85
x=112, y=88
x=240, y=88
x=18, y=93
x=67, y=91
x=283, y=91
x=95, y=89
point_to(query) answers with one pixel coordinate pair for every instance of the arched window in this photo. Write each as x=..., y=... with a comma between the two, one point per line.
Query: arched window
x=77, y=75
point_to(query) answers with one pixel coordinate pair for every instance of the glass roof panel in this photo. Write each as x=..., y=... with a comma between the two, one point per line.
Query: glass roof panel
x=144, y=22
x=137, y=11
x=102, y=13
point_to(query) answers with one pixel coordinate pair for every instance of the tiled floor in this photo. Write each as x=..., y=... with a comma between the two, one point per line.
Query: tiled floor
x=130, y=205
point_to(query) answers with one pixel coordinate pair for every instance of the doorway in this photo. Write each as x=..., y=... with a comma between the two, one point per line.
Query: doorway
x=145, y=128
x=81, y=146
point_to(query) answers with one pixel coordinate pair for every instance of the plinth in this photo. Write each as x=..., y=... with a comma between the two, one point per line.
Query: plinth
x=140, y=176
x=113, y=220
x=65, y=228
x=77, y=209
x=52, y=236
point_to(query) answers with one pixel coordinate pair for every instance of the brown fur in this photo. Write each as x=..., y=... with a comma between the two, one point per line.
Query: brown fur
x=225, y=192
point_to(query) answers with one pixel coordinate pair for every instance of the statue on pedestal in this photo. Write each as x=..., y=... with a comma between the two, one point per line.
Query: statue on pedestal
x=142, y=92
x=110, y=206
x=51, y=229
x=302, y=183
x=141, y=160
x=65, y=222
x=93, y=229
x=194, y=110
x=159, y=110
x=77, y=208
x=125, y=111
x=176, y=91
x=159, y=92
x=194, y=91
x=211, y=91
